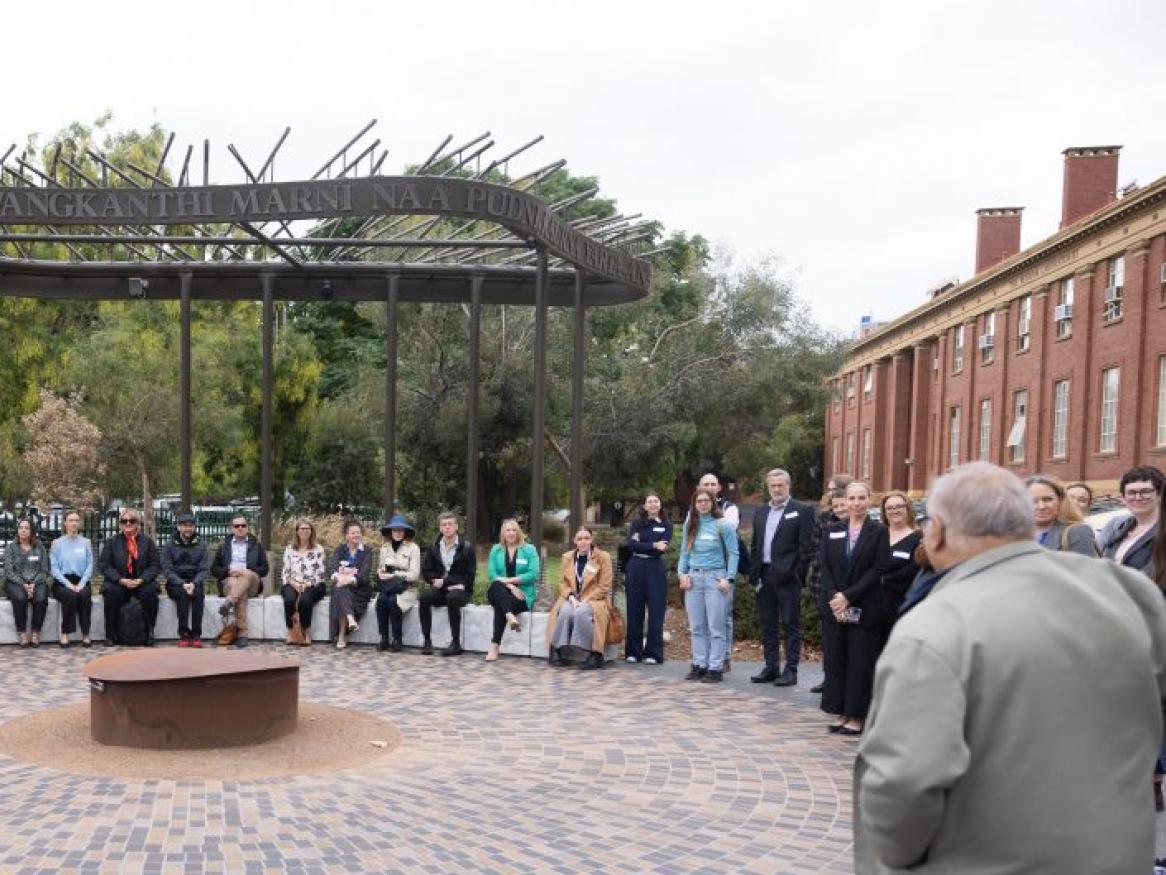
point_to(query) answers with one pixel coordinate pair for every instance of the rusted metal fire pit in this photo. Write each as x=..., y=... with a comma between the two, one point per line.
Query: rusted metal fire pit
x=172, y=699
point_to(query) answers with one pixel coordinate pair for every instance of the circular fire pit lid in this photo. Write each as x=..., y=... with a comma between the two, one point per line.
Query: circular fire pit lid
x=163, y=665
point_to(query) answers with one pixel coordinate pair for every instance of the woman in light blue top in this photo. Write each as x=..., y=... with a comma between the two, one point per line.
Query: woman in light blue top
x=72, y=565
x=708, y=561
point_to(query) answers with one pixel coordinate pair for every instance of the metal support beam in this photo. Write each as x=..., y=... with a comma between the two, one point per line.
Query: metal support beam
x=391, y=300
x=540, y=390
x=578, y=366
x=185, y=280
x=265, y=439
x=472, y=402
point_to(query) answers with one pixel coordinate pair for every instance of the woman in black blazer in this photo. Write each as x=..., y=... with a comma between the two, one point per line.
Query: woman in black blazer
x=854, y=611
x=901, y=569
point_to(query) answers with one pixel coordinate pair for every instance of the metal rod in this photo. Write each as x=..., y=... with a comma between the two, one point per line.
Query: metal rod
x=184, y=406
x=184, y=174
x=391, y=306
x=578, y=366
x=162, y=161
x=265, y=437
x=472, y=403
x=540, y=391
x=271, y=156
x=425, y=164
x=344, y=149
x=456, y=150
x=500, y=161
x=374, y=243
x=206, y=162
x=355, y=161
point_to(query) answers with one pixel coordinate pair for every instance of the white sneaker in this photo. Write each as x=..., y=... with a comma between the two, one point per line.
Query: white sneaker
x=492, y=653
x=631, y=659
x=650, y=661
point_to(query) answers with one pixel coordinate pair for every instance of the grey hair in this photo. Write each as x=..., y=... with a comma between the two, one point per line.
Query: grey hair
x=778, y=472
x=981, y=500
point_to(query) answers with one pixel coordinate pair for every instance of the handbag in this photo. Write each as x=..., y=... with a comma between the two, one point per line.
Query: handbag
x=296, y=635
x=407, y=600
x=616, y=629
x=228, y=635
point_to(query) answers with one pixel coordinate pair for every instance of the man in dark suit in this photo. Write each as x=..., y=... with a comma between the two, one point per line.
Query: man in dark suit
x=783, y=538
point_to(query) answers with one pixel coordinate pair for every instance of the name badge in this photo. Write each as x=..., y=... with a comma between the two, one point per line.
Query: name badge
x=791, y=515
x=34, y=559
x=519, y=561
x=900, y=554
x=837, y=536
x=589, y=567
x=707, y=537
x=659, y=529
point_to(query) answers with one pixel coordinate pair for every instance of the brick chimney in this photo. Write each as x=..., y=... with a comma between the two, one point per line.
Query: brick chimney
x=997, y=235
x=1090, y=181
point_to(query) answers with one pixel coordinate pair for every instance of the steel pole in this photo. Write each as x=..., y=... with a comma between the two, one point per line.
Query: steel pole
x=184, y=388
x=577, y=406
x=391, y=300
x=472, y=401
x=268, y=281
x=540, y=390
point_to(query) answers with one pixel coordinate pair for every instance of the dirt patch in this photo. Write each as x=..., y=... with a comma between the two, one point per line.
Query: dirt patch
x=325, y=739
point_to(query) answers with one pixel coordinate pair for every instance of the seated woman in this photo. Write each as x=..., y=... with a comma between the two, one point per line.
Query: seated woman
x=72, y=564
x=350, y=570
x=513, y=569
x=26, y=577
x=399, y=572
x=583, y=610
x=302, y=578
x=1057, y=518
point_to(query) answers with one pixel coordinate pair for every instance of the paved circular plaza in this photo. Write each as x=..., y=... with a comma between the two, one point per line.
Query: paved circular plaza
x=506, y=768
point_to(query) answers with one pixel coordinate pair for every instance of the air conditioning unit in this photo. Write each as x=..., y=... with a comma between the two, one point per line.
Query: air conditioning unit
x=1112, y=293
x=987, y=341
x=1063, y=312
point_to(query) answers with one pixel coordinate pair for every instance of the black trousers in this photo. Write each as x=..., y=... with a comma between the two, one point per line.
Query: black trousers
x=453, y=600
x=116, y=596
x=389, y=614
x=780, y=604
x=647, y=586
x=504, y=602
x=850, y=654
x=74, y=605
x=189, y=608
x=19, y=598
x=308, y=599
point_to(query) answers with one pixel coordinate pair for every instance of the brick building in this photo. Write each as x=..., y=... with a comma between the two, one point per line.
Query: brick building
x=1052, y=359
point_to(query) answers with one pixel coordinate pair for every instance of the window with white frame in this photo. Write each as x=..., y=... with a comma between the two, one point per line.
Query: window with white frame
x=988, y=338
x=1063, y=313
x=1115, y=280
x=850, y=389
x=850, y=451
x=1110, y=379
x=866, y=453
x=1060, y=419
x=1161, y=436
x=985, y=429
x=1024, y=323
x=953, y=443
x=957, y=349
x=836, y=393
x=868, y=383
x=1019, y=425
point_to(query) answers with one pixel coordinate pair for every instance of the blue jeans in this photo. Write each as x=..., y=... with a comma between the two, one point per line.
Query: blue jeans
x=706, y=606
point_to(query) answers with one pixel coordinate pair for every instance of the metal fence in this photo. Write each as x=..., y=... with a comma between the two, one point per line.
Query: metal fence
x=99, y=526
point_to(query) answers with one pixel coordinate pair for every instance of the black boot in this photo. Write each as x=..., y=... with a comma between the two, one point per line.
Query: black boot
x=712, y=676
x=383, y=644
x=454, y=649
x=695, y=673
x=395, y=646
x=593, y=661
x=555, y=658
x=427, y=647
x=789, y=678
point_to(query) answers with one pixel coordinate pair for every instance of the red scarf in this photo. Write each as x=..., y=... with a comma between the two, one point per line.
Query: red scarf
x=132, y=549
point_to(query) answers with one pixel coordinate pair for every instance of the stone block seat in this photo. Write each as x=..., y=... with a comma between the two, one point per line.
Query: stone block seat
x=266, y=623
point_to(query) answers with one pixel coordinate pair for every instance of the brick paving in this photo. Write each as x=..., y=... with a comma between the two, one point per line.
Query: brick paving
x=506, y=768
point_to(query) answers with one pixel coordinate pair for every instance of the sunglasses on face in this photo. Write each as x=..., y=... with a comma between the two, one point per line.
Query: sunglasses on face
x=238, y=525
x=129, y=522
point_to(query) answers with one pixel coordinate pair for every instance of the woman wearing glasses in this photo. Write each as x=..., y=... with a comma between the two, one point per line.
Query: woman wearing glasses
x=1131, y=541
x=26, y=578
x=130, y=565
x=899, y=518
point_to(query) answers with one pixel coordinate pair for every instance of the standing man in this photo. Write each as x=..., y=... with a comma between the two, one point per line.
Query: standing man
x=783, y=542
x=186, y=562
x=129, y=568
x=1018, y=708
x=239, y=566
x=449, y=566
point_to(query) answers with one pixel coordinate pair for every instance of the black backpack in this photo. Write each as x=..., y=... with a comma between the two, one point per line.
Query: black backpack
x=133, y=624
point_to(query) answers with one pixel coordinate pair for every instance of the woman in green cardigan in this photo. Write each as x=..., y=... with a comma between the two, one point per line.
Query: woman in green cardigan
x=513, y=570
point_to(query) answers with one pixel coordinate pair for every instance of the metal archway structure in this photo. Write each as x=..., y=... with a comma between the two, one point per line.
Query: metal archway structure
x=445, y=234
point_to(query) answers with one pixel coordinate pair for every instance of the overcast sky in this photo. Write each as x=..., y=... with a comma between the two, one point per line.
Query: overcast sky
x=853, y=141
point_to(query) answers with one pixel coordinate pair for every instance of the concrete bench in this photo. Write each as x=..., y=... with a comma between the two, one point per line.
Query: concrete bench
x=265, y=622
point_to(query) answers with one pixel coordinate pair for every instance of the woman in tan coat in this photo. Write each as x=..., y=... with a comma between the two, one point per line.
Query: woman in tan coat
x=583, y=609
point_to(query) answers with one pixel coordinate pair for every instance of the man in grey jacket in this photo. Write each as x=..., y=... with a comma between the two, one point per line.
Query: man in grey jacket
x=1018, y=709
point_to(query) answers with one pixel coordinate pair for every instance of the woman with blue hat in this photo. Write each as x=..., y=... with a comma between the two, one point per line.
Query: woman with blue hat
x=398, y=574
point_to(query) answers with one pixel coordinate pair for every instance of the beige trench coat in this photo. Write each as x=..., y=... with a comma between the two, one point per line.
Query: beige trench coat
x=596, y=591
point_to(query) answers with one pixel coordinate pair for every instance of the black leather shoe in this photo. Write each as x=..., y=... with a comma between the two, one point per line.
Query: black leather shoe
x=454, y=649
x=555, y=658
x=593, y=661
x=712, y=676
x=789, y=678
x=818, y=688
x=695, y=673
x=383, y=644
x=395, y=646
x=427, y=647
x=767, y=675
